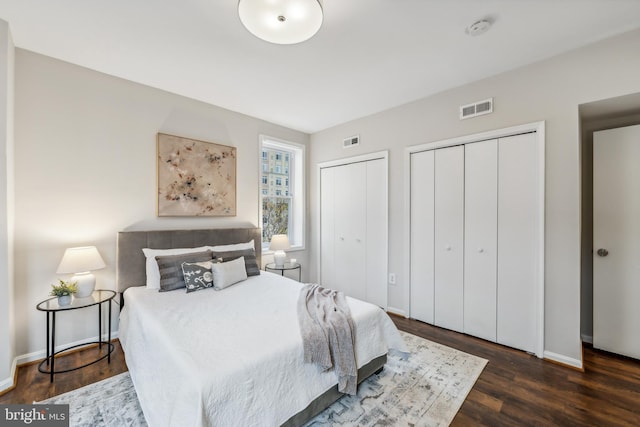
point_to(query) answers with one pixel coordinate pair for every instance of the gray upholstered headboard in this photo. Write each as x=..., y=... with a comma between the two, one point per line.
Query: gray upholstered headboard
x=130, y=266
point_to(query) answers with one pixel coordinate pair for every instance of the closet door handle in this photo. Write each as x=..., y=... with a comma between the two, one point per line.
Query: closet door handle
x=447, y=248
x=359, y=240
x=480, y=250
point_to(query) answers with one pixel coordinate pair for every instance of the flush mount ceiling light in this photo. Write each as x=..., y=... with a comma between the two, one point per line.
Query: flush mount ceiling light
x=281, y=21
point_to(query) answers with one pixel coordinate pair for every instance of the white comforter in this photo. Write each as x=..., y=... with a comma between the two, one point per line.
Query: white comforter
x=232, y=357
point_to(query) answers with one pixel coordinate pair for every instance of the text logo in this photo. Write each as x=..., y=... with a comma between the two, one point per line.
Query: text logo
x=34, y=415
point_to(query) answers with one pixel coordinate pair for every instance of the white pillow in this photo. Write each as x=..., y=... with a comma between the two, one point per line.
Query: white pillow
x=234, y=247
x=153, y=273
x=227, y=273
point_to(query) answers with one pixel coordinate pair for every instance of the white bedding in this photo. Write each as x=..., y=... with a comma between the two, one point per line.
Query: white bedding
x=232, y=357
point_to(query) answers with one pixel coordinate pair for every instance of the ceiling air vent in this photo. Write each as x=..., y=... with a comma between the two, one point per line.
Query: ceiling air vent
x=476, y=109
x=351, y=141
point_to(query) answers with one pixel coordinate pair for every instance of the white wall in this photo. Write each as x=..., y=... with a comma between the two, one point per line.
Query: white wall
x=7, y=337
x=550, y=90
x=85, y=164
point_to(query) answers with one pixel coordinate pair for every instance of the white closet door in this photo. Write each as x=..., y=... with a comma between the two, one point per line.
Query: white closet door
x=518, y=220
x=350, y=229
x=327, y=227
x=449, y=234
x=376, y=234
x=422, y=235
x=480, y=238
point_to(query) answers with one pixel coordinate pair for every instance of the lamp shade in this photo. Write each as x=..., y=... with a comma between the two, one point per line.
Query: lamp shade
x=281, y=21
x=79, y=260
x=279, y=242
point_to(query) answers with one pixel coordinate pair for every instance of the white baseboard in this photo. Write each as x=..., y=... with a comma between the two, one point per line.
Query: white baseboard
x=8, y=382
x=587, y=338
x=397, y=311
x=563, y=360
x=41, y=354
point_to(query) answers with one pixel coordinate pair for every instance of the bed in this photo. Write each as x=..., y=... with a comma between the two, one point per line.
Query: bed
x=229, y=357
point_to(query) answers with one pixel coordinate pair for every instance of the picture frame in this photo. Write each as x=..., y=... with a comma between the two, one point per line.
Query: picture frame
x=195, y=178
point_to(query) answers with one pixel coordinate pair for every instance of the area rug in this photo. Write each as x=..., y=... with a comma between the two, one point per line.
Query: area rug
x=425, y=389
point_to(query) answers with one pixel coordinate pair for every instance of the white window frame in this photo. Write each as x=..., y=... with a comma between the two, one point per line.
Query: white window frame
x=297, y=189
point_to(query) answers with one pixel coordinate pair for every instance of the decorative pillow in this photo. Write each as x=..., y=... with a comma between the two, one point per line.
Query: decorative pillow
x=250, y=262
x=153, y=274
x=228, y=273
x=170, y=267
x=197, y=275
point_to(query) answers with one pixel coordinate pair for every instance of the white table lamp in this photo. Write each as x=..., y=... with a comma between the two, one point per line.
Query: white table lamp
x=81, y=261
x=279, y=243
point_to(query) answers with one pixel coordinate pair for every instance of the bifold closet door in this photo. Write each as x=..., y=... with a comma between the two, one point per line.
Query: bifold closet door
x=518, y=247
x=448, y=237
x=376, y=232
x=327, y=227
x=480, y=238
x=421, y=235
x=354, y=229
x=350, y=219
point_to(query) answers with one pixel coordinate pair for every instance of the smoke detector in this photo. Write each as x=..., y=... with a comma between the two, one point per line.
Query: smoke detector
x=478, y=27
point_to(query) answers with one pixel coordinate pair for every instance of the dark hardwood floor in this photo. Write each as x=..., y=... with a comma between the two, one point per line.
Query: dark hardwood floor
x=33, y=385
x=515, y=389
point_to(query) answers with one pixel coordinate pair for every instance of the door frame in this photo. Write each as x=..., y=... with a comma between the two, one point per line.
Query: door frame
x=378, y=155
x=539, y=129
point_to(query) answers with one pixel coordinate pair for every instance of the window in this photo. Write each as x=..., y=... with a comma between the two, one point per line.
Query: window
x=265, y=180
x=283, y=207
x=265, y=167
x=264, y=155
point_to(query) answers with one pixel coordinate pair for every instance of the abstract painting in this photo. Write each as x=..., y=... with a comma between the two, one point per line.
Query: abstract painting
x=195, y=178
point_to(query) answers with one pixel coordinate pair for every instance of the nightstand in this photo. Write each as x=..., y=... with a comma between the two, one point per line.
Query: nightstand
x=283, y=268
x=51, y=307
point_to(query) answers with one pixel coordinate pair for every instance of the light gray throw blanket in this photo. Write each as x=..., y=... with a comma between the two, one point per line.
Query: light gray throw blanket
x=328, y=334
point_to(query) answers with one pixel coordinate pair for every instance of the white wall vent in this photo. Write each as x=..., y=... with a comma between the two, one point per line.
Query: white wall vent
x=351, y=141
x=476, y=109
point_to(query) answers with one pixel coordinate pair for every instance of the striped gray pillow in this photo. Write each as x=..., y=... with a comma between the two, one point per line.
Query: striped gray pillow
x=250, y=262
x=170, y=266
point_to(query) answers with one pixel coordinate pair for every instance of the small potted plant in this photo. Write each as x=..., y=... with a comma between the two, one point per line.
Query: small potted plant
x=63, y=290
